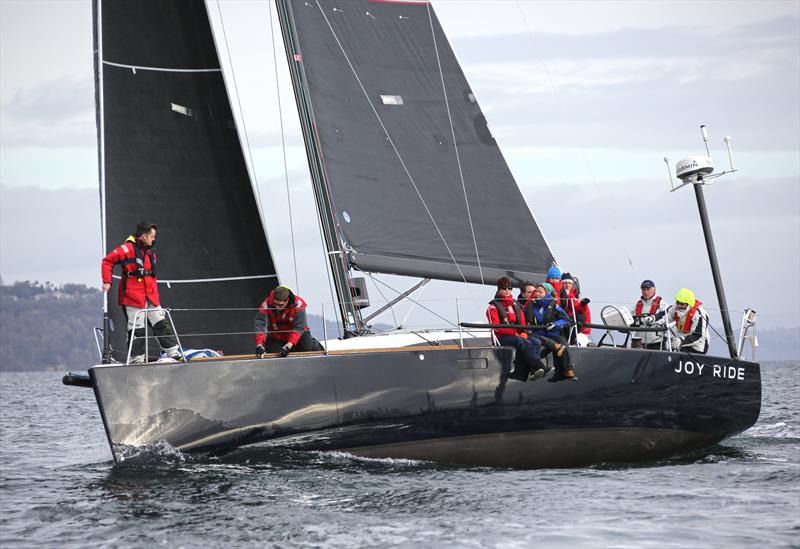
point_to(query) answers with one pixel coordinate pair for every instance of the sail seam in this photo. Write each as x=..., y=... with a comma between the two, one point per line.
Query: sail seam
x=157, y=69
x=455, y=145
x=391, y=142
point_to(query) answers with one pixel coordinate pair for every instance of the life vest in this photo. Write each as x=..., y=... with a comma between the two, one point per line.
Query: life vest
x=548, y=313
x=134, y=267
x=502, y=313
x=686, y=326
x=283, y=319
x=653, y=307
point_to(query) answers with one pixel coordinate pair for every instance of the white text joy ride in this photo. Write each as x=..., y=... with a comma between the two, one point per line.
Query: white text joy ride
x=688, y=367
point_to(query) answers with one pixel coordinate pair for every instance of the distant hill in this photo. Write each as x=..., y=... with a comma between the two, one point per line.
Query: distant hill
x=48, y=327
x=777, y=344
x=44, y=327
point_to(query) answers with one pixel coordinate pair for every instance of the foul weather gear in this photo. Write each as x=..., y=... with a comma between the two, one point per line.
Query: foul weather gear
x=285, y=325
x=138, y=282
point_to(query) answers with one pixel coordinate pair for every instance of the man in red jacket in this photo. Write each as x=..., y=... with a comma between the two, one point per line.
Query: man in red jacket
x=138, y=290
x=280, y=325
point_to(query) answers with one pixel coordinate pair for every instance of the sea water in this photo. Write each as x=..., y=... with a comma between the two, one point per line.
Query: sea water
x=61, y=488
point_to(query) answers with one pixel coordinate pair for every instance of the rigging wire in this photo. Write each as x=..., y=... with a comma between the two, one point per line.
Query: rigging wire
x=391, y=308
x=412, y=300
x=411, y=309
x=455, y=144
x=241, y=111
x=283, y=147
x=394, y=147
x=565, y=115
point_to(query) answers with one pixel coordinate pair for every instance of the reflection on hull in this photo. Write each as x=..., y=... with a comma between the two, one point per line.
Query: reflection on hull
x=446, y=405
x=551, y=448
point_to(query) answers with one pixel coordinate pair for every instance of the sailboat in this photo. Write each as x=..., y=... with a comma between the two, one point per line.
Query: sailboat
x=408, y=180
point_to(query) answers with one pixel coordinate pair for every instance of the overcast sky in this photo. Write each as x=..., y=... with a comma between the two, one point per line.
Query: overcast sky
x=585, y=99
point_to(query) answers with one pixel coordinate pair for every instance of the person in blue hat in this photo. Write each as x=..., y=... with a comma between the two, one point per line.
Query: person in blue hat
x=553, y=278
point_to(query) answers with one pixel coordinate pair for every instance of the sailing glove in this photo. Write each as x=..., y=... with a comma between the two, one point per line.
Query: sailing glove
x=648, y=320
x=550, y=327
x=677, y=342
x=260, y=351
x=585, y=301
x=285, y=350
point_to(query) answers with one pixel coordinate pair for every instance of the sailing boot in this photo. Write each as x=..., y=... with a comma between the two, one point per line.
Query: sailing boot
x=569, y=374
x=558, y=375
x=536, y=373
x=167, y=340
x=138, y=347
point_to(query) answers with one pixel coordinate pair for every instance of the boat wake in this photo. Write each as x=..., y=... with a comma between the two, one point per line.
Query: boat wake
x=344, y=458
x=780, y=430
x=159, y=453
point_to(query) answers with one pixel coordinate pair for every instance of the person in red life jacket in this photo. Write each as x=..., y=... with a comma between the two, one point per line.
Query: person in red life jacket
x=649, y=310
x=504, y=310
x=280, y=325
x=691, y=323
x=576, y=307
x=553, y=278
x=138, y=292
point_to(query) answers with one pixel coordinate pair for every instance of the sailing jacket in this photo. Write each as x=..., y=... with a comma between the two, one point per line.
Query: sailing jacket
x=556, y=284
x=138, y=283
x=504, y=310
x=577, y=311
x=541, y=312
x=692, y=326
x=655, y=307
x=287, y=324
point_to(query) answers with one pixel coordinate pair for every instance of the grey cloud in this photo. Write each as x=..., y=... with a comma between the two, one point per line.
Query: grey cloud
x=57, y=100
x=51, y=114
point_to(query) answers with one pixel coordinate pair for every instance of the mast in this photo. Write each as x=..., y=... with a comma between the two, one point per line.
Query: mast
x=697, y=171
x=337, y=257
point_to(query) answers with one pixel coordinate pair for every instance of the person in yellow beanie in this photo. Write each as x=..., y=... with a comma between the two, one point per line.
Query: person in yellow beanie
x=691, y=323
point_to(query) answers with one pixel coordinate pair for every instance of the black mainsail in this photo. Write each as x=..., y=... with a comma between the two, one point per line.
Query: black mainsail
x=418, y=185
x=170, y=153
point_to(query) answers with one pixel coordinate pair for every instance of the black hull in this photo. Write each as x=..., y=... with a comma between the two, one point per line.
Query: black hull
x=444, y=405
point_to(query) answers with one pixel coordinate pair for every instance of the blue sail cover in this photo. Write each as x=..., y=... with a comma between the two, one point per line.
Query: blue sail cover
x=170, y=154
x=371, y=72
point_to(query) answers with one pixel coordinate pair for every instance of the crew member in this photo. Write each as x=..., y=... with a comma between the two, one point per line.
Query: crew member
x=138, y=290
x=553, y=278
x=547, y=320
x=576, y=307
x=691, y=323
x=649, y=311
x=280, y=325
x=504, y=310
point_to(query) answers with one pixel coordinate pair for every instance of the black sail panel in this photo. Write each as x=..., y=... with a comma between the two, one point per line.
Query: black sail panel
x=382, y=122
x=171, y=155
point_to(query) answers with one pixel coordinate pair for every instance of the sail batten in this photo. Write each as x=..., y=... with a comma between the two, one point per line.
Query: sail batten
x=418, y=183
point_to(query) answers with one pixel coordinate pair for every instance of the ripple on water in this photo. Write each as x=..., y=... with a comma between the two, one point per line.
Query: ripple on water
x=59, y=482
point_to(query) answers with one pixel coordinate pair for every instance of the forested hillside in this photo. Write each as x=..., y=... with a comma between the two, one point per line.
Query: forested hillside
x=47, y=327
